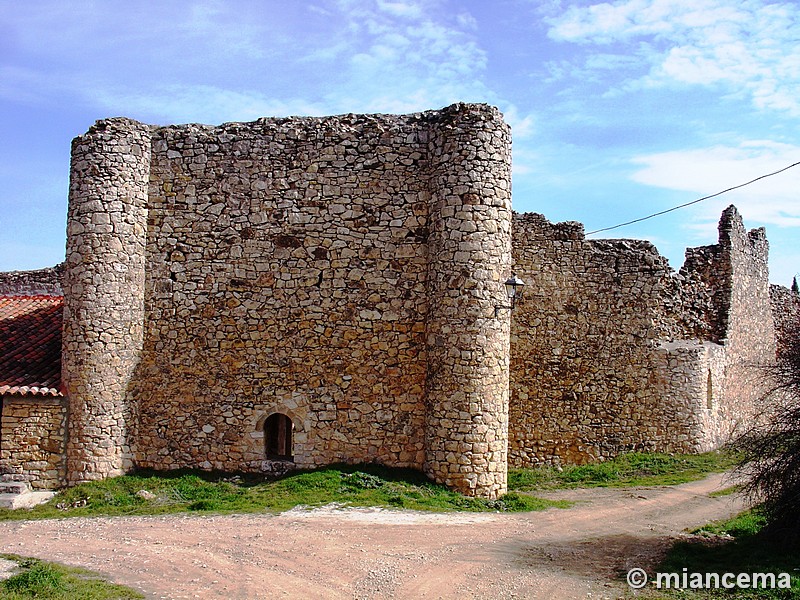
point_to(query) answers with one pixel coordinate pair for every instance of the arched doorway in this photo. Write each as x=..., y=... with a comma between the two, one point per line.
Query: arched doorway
x=278, y=437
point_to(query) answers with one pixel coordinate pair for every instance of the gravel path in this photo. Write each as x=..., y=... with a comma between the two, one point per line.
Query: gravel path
x=376, y=553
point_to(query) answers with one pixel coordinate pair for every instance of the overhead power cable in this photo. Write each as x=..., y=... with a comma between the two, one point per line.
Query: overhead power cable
x=663, y=212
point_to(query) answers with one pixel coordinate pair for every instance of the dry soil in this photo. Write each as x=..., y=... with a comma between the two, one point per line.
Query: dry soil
x=374, y=553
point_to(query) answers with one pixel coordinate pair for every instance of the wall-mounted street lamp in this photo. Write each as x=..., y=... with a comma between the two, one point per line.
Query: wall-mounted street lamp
x=514, y=287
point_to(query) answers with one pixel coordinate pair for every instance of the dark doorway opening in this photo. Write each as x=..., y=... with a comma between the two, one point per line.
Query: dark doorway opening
x=278, y=437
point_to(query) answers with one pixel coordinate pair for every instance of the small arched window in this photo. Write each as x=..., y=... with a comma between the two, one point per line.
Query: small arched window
x=278, y=437
x=709, y=391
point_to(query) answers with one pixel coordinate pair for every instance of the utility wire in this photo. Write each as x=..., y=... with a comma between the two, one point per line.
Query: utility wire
x=663, y=212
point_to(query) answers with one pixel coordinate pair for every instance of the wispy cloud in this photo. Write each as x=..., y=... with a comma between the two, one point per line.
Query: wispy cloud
x=704, y=171
x=748, y=46
x=354, y=56
x=414, y=51
x=410, y=10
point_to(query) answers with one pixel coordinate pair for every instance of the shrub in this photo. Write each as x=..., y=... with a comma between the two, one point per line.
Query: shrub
x=770, y=449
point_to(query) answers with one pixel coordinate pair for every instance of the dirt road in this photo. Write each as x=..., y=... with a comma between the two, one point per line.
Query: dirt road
x=371, y=554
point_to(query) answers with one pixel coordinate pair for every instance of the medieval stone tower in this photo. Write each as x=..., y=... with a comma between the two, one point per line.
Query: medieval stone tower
x=304, y=290
x=104, y=294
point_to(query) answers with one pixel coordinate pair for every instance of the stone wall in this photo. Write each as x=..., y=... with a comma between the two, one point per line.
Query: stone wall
x=786, y=312
x=749, y=330
x=33, y=439
x=613, y=351
x=46, y=282
x=341, y=271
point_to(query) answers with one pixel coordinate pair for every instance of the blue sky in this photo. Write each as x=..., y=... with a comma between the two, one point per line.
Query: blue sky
x=618, y=109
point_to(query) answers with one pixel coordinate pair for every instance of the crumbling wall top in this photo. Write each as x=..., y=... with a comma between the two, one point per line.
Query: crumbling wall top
x=39, y=282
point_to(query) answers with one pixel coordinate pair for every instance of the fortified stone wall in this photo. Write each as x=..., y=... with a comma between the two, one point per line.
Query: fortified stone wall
x=613, y=351
x=45, y=282
x=33, y=435
x=341, y=275
x=340, y=271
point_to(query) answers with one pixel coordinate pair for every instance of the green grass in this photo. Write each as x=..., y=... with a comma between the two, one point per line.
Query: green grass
x=50, y=581
x=733, y=546
x=152, y=493
x=363, y=485
x=728, y=491
x=634, y=469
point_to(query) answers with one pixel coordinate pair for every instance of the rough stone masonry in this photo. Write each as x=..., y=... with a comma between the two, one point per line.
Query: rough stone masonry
x=340, y=271
x=304, y=291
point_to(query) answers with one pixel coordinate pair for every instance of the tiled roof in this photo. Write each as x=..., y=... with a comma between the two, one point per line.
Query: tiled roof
x=30, y=345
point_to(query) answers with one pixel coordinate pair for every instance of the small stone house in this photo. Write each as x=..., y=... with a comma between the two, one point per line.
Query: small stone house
x=33, y=413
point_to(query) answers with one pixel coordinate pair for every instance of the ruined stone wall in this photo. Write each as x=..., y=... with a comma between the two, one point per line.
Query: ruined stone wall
x=33, y=439
x=749, y=328
x=340, y=271
x=613, y=351
x=786, y=313
x=46, y=282
x=587, y=376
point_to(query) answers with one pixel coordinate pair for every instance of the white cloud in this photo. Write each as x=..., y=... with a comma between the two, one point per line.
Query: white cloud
x=772, y=201
x=211, y=61
x=407, y=56
x=627, y=19
x=747, y=45
x=522, y=127
x=406, y=10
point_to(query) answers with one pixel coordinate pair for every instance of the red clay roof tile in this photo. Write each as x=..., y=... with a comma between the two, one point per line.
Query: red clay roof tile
x=30, y=345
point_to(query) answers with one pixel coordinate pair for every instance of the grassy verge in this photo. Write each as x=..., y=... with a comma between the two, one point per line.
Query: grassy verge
x=162, y=493
x=50, y=581
x=733, y=546
x=728, y=491
x=635, y=469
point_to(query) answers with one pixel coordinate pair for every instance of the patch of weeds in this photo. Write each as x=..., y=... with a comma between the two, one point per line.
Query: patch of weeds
x=51, y=581
x=514, y=502
x=35, y=578
x=746, y=524
x=362, y=481
x=149, y=493
x=202, y=505
x=634, y=469
x=396, y=500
